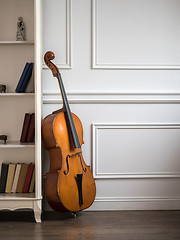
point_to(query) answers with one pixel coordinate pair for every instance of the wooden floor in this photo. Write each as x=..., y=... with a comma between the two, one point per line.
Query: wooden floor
x=125, y=225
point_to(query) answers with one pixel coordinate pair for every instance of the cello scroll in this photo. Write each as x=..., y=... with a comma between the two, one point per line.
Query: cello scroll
x=47, y=58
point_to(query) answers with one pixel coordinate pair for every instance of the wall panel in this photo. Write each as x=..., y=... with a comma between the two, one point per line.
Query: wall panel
x=148, y=175
x=124, y=81
x=57, y=31
x=136, y=150
x=138, y=34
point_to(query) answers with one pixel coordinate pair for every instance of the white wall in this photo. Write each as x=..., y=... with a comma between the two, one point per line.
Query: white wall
x=120, y=62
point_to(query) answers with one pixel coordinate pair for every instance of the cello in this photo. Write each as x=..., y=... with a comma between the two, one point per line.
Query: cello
x=69, y=184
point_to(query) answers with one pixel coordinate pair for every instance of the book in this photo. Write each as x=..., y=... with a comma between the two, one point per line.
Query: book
x=22, y=177
x=3, y=178
x=10, y=177
x=16, y=177
x=31, y=131
x=22, y=77
x=26, y=78
x=30, y=86
x=24, y=133
x=28, y=178
x=32, y=183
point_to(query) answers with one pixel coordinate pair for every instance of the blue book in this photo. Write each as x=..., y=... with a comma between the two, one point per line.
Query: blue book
x=22, y=77
x=26, y=78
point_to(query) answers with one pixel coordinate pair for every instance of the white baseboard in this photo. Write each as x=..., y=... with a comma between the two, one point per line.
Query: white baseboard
x=115, y=204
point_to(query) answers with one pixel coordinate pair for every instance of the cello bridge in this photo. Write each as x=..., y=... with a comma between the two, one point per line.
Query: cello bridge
x=67, y=163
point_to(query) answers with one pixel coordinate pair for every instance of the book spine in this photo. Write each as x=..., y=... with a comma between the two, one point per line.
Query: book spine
x=3, y=179
x=22, y=77
x=16, y=177
x=10, y=177
x=26, y=78
x=24, y=133
x=31, y=131
x=31, y=187
x=22, y=177
x=28, y=178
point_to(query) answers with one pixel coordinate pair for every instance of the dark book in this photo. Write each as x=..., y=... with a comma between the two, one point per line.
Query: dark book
x=3, y=178
x=22, y=77
x=28, y=178
x=26, y=78
x=32, y=184
x=22, y=177
x=24, y=133
x=31, y=131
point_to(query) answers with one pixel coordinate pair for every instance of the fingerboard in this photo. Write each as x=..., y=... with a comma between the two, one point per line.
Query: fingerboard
x=68, y=112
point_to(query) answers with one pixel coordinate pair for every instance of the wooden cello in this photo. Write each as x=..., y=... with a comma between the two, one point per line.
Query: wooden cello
x=69, y=183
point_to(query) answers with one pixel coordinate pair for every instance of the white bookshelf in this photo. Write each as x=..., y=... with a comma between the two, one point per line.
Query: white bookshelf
x=16, y=144
x=17, y=42
x=14, y=55
x=16, y=94
x=17, y=196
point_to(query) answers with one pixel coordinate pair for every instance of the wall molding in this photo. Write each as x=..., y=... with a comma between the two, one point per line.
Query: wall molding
x=98, y=65
x=98, y=175
x=135, y=199
x=135, y=203
x=68, y=64
x=112, y=98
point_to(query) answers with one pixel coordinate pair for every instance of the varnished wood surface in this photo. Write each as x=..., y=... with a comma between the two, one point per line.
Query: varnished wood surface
x=75, y=187
x=125, y=225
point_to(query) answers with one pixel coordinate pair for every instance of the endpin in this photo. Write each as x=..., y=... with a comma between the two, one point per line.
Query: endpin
x=74, y=214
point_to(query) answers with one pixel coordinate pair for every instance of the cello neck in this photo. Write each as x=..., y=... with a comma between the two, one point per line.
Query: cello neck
x=55, y=71
x=68, y=112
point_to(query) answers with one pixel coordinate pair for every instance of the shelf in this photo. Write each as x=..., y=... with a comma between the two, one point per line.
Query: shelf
x=16, y=144
x=16, y=94
x=17, y=196
x=17, y=42
x=17, y=53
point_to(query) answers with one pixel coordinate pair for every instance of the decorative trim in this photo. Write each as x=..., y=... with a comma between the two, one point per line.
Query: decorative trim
x=112, y=98
x=68, y=64
x=135, y=203
x=14, y=205
x=135, y=199
x=4, y=207
x=98, y=175
x=115, y=93
x=97, y=65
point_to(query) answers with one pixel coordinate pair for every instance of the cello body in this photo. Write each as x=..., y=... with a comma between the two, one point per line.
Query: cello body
x=69, y=182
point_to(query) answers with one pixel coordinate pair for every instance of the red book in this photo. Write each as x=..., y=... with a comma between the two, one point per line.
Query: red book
x=27, y=119
x=28, y=177
x=31, y=131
